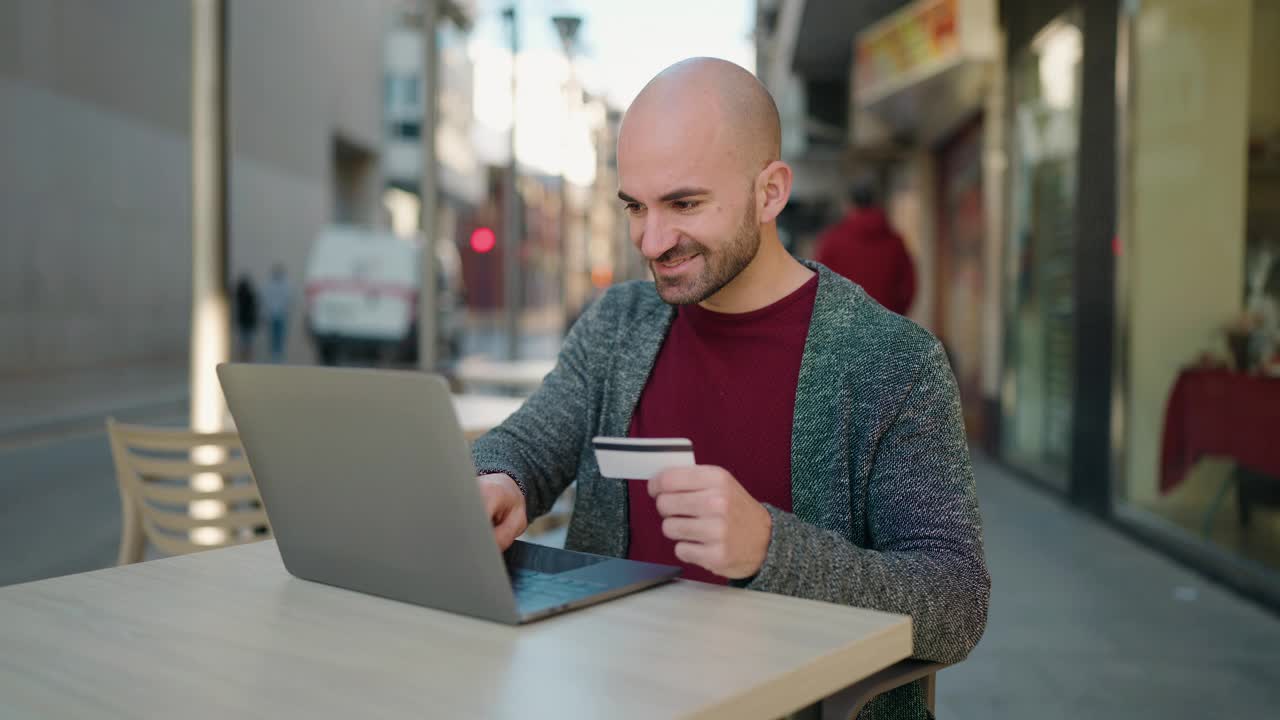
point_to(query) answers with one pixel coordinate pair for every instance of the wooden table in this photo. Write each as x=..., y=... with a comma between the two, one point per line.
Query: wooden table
x=478, y=414
x=523, y=376
x=1214, y=412
x=229, y=634
x=1220, y=413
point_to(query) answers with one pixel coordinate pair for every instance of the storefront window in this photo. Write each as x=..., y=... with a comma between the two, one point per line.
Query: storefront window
x=1039, y=272
x=1201, y=211
x=961, y=273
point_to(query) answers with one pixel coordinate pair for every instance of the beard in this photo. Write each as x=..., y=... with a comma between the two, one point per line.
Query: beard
x=719, y=268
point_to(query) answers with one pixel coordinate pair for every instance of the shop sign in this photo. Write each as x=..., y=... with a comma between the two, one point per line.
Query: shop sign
x=905, y=47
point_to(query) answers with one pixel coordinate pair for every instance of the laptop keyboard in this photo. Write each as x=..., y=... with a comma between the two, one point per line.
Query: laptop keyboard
x=538, y=587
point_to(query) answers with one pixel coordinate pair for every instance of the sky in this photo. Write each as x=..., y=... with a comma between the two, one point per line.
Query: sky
x=621, y=45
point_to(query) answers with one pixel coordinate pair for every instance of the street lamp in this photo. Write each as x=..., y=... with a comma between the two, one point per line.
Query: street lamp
x=567, y=27
x=427, y=16
x=512, y=289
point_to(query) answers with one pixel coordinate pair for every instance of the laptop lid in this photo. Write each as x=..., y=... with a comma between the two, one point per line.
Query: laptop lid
x=368, y=483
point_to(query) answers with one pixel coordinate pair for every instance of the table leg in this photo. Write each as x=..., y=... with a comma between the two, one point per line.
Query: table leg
x=846, y=704
x=1207, y=528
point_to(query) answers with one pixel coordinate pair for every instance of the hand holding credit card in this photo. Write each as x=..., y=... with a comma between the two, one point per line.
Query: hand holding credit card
x=626, y=458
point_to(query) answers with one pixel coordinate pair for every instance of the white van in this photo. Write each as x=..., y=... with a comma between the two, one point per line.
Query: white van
x=361, y=292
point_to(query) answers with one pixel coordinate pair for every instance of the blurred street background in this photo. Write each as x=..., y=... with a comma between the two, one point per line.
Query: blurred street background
x=1089, y=192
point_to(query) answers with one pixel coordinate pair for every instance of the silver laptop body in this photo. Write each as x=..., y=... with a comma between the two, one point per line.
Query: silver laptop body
x=368, y=484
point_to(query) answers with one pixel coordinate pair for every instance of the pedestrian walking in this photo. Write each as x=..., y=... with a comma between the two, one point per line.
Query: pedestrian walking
x=246, y=317
x=277, y=299
x=866, y=249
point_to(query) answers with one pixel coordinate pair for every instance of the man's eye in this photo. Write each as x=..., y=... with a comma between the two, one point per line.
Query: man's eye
x=634, y=208
x=684, y=204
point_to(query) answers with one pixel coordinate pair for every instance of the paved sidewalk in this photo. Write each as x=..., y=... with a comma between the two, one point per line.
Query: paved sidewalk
x=38, y=405
x=69, y=401
x=1087, y=623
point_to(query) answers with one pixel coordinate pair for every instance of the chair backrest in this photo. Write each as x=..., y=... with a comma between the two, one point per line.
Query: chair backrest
x=183, y=491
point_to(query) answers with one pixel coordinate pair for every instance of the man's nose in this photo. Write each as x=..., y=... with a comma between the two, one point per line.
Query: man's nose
x=655, y=238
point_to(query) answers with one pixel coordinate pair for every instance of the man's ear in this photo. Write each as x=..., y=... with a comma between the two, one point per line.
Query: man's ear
x=773, y=189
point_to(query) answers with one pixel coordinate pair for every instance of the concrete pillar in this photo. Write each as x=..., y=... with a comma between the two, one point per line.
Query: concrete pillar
x=428, y=294
x=210, y=312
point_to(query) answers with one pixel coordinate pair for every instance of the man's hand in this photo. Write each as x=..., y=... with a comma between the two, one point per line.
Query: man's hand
x=715, y=522
x=505, y=504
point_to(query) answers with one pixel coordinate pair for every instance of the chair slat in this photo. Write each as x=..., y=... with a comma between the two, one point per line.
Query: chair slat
x=180, y=544
x=143, y=438
x=232, y=521
x=175, y=468
x=167, y=529
x=171, y=545
x=178, y=495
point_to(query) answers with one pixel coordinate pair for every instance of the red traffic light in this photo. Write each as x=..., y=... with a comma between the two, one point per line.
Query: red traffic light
x=483, y=240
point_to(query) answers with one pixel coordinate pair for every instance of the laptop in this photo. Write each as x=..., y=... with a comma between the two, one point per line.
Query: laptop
x=367, y=481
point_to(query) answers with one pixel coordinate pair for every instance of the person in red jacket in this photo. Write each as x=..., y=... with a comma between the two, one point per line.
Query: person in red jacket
x=865, y=248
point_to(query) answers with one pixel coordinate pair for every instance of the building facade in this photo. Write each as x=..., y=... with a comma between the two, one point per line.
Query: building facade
x=1092, y=203
x=95, y=168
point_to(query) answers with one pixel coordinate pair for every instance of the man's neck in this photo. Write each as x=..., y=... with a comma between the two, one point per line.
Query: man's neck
x=772, y=275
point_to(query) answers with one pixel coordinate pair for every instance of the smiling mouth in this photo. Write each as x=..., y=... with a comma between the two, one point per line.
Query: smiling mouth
x=678, y=262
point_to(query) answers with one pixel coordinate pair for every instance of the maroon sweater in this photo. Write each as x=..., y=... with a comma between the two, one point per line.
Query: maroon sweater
x=728, y=383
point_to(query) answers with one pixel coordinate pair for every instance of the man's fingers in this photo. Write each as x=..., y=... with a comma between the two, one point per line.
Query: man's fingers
x=509, y=529
x=504, y=505
x=684, y=479
x=493, y=505
x=504, y=536
x=693, y=529
x=689, y=504
x=700, y=554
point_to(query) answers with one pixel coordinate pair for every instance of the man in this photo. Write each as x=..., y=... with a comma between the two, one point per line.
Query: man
x=246, y=316
x=277, y=298
x=834, y=463
x=865, y=248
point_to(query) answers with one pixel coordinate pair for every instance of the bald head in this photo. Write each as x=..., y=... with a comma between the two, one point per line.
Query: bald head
x=700, y=94
x=702, y=183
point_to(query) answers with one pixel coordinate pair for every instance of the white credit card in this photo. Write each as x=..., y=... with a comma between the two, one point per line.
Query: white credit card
x=640, y=458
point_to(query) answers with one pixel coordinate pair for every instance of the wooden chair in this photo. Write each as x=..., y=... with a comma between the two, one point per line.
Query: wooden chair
x=159, y=471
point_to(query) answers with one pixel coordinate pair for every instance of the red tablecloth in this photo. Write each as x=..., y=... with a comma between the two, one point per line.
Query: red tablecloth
x=1218, y=412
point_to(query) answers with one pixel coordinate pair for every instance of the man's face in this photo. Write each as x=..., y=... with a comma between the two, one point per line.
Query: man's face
x=691, y=206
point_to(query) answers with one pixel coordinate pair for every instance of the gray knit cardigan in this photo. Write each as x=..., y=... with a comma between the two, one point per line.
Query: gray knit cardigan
x=885, y=512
